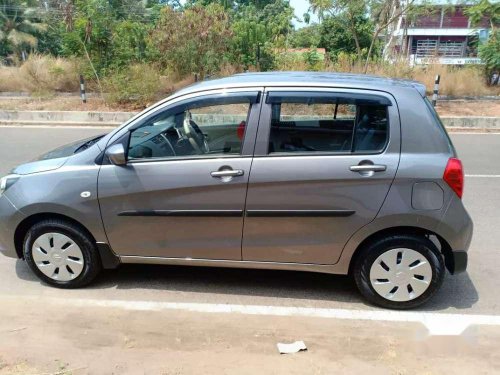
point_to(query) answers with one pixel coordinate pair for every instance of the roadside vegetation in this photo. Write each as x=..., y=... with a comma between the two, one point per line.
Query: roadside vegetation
x=132, y=51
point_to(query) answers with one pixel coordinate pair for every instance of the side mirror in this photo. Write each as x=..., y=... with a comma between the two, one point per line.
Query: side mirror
x=116, y=154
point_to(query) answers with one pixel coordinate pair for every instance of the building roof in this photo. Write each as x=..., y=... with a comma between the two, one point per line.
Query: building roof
x=306, y=79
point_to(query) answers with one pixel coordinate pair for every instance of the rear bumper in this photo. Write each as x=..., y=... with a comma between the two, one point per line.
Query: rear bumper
x=457, y=262
x=456, y=227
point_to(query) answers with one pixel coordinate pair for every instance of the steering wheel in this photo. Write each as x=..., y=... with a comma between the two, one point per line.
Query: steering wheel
x=194, y=135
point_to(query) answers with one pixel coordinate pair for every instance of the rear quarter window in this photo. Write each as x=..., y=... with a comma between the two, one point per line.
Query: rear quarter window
x=440, y=125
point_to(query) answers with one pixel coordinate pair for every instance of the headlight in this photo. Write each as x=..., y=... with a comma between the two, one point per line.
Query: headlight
x=7, y=181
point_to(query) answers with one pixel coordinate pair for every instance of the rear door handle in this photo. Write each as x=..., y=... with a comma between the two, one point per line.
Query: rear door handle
x=227, y=173
x=368, y=168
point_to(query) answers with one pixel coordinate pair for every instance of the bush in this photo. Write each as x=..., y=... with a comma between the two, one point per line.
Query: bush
x=10, y=79
x=139, y=83
x=46, y=74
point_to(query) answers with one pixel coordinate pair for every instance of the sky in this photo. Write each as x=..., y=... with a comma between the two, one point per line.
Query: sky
x=301, y=7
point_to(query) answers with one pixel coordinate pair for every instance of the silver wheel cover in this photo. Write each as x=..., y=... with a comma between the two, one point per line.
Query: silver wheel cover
x=57, y=256
x=400, y=274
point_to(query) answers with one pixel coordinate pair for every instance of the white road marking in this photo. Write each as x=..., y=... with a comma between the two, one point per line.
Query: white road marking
x=436, y=323
x=482, y=175
x=473, y=133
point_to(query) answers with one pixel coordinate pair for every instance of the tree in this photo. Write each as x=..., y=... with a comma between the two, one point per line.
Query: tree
x=321, y=8
x=484, y=10
x=259, y=31
x=309, y=36
x=20, y=26
x=193, y=41
x=489, y=52
x=384, y=13
x=354, y=12
x=336, y=35
x=249, y=34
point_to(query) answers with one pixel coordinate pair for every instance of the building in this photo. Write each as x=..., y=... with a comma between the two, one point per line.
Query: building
x=440, y=33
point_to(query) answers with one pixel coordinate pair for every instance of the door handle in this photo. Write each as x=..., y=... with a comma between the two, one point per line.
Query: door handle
x=227, y=173
x=368, y=168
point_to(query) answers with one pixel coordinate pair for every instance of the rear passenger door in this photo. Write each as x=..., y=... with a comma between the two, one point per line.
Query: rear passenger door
x=324, y=162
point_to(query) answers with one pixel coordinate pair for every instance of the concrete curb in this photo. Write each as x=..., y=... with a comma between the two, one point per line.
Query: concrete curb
x=113, y=119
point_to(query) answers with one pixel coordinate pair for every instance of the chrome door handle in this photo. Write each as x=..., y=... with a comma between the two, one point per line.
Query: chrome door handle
x=368, y=168
x=227, y=173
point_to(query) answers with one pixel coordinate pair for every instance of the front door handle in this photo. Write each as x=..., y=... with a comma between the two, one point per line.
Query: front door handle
x=368, y=168
x=227, y=173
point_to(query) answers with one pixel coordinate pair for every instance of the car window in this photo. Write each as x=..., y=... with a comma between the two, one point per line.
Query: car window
x=327, y=124
x=212, y=128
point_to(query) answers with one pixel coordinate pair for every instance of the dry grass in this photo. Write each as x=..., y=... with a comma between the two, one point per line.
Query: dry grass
x=44, y=75
x=40, y=74
x=10, y=79
x=455, y=81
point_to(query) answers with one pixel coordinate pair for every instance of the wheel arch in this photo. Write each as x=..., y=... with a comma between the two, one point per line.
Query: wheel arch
x=28, y=222
x=442, y=245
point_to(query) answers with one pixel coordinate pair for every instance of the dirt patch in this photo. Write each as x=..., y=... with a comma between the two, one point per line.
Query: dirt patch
x=489, y=108
x=65, y=339
x=61, y=103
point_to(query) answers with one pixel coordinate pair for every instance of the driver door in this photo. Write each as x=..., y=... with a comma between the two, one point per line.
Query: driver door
x=182, y=192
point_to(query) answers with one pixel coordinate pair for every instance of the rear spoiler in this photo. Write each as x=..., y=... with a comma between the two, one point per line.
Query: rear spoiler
x=420, y=87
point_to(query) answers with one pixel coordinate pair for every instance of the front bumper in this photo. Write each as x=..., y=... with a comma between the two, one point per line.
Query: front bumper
x=10, y=217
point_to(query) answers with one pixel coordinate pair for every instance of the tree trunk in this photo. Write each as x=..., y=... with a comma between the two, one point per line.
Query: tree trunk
x=354, y=34
x=374, y=39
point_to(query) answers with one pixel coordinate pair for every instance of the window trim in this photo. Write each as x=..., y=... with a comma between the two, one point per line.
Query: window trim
x=252, y=120
x=318, y=92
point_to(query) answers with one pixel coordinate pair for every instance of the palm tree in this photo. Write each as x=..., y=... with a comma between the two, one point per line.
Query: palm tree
x=320, y=8
x=19, y=26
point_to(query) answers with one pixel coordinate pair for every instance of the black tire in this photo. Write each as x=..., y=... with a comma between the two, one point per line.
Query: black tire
x=370, y=253
x=92, y=262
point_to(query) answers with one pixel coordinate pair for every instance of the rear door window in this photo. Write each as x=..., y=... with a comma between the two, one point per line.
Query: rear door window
x=327, y=123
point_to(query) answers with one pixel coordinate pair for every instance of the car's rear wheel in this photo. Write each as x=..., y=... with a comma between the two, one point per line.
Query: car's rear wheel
x=399, y=272
x=61, y=254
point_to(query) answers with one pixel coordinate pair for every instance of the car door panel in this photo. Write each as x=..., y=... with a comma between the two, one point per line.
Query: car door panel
x=303, y=208
x=174, y=208
x=188, y=206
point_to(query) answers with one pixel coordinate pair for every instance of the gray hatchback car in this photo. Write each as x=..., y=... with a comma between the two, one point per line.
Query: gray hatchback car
x=333, y=173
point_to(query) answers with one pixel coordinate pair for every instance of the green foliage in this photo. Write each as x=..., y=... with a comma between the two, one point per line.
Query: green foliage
x=484, y=9
x=20, y=26
x=259, y=28
x=313, y=59
x=193, y=41
x=306, y=37
x=129, y=43
x=138, y=83
x=490, y=52
x=336, y=35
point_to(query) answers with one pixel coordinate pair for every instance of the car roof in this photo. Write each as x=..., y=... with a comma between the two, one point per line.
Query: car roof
x=306, y=79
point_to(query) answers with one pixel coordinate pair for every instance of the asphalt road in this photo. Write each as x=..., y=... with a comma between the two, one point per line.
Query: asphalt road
x=473, y=292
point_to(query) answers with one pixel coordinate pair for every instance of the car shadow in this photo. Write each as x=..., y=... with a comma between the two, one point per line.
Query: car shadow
x=457, y=291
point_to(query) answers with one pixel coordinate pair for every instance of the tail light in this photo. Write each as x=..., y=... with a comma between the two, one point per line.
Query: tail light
x=454, y=176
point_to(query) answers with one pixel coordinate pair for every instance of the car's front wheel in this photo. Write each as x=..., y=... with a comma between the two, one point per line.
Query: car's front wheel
x=61, y=254
x=399, y=272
